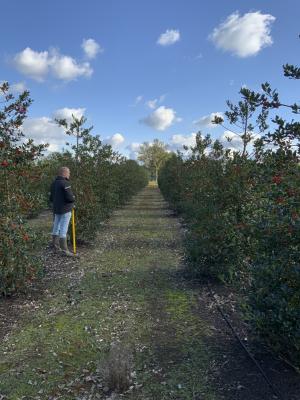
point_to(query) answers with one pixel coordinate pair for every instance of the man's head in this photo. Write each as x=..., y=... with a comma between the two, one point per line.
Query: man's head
x=64, y=172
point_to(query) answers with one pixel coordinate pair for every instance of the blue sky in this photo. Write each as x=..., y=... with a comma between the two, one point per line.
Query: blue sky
x=185, y=57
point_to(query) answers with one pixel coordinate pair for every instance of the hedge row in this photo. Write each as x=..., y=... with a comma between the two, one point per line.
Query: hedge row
x=101, y=180
x=243, y=218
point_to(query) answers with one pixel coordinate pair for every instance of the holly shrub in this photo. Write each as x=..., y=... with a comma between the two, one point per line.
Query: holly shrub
x=206, y=189
x=101, y=178
x=19, y=177
x=101, y=181
x=242, y=211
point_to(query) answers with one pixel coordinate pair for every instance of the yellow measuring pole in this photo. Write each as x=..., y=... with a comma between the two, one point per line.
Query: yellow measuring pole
x=73, y=230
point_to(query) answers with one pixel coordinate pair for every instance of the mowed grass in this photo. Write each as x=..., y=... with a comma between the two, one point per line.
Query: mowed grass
x=130, y=293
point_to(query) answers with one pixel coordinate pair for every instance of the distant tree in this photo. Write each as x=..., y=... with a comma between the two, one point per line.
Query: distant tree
x=153, y=156
x=75, y=128
x=244, y=116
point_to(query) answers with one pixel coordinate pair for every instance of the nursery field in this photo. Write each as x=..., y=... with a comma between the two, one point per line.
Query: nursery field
x=123, y=322
x=187, y=288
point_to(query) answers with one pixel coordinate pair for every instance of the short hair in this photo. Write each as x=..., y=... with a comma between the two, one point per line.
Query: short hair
x=62, y=170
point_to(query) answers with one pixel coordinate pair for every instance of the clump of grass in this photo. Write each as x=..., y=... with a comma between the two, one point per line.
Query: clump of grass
x=117, y=368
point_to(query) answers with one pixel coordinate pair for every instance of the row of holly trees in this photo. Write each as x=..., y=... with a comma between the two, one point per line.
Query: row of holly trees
x=102, y=179
x=243, y=212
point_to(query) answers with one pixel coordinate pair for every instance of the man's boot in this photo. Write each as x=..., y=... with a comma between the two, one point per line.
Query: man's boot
x=64, y=247
x=55, y=243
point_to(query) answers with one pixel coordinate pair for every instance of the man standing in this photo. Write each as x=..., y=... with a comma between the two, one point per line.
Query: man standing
x=62, y=198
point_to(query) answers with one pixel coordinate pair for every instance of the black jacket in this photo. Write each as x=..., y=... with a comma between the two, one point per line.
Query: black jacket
x=61, y=195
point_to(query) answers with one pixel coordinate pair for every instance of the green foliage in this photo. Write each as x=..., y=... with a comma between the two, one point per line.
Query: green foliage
x=19, y=178
x=291, y=71
x=153, y=156
x=101, y=178
x=18, y=262
x=274, y=299
x=243, y=214
x=206, y=189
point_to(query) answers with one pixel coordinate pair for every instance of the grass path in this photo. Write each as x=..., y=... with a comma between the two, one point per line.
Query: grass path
x=121, y=316
x=126, y=309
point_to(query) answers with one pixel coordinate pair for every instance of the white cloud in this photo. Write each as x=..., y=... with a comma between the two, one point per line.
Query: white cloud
x=206, y=121
x=18, y=88
x=137, y=101
x=91, y=48
x=154, y=103
x=32, y=63
x=45, y=130
x=245, y=35
x=66, y=68
x=66, y=113
x=115, y=140
x=15, y=89
x=161, y=119
x=134, y=146
x=37, y=65
x=235, y=142
x=231, y=140
x=178, y=141
x=171, y=36
x=133, y=150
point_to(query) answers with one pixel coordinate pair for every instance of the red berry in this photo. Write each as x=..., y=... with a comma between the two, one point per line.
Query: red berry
x=291, y=192
x=277, y=179
x=295, y=216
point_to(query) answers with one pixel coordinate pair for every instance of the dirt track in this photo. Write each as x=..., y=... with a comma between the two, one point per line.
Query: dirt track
x=128, y=293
